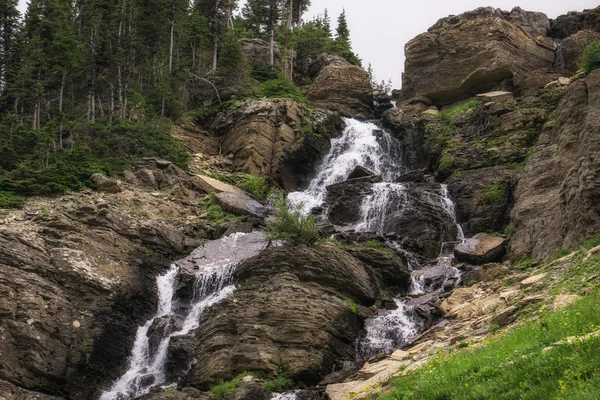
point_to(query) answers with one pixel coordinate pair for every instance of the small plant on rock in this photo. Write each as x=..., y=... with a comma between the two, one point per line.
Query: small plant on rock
x=291, y=227
x=590, y=60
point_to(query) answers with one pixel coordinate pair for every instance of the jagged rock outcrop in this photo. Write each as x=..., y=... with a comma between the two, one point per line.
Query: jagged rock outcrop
x=464, y=56
x=279, y=139
x=256, y=51
x=573, y=22
x=346, y=89
x=288, y=312
x=77, y=278
x=556, y=197
x=474, y=211
x=572, y=47
x=307, y=68
x=481, y=249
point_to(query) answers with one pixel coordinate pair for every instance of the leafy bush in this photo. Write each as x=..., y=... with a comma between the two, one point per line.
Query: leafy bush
x=257, y=186
x=282, y=88
x=292, y=228
x=223, y=388
x=590, y=60
x=352, y=306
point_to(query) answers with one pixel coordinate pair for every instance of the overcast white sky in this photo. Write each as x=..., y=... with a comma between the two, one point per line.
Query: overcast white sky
x=381, y=28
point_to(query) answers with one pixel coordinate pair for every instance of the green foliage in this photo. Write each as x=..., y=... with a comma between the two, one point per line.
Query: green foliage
x=280, y=384
x=509, y=230
x=265, y=72
x=231, y=57
x=452, y=113
x=496, y=192
x=32, y=164
x=514, y=364
x=592, y=242
x=560, y=254
x=257, y=186
x=525, y=263
x=352, y=306
x=292, y=228
x=282, y=88
x=10, y=200
x=224, y=388
x=590, y=60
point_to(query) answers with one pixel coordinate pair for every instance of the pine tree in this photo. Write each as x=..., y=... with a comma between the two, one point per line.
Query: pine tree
x=342, y=31
x=9, y=23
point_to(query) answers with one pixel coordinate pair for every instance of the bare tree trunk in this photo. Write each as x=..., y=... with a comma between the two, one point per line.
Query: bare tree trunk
x=272, y=48
x=214, y=58
x=60, y=108
x=290, y=14
x=171, y=40
x=91, y=77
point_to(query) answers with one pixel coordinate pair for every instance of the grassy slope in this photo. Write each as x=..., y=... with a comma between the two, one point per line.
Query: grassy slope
x=512, y=364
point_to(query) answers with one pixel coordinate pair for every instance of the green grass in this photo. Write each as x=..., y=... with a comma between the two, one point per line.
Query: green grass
x=496, y=192
x=452, y=113
x=281, y=383
x=223, y=388
x=513, y=364
x=292, y=228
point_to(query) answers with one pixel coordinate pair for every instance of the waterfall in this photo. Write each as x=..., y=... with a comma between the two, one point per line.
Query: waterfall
x=365, y=144
x=375, y=208
x=388, y=332
x=213, y=283
x=361, y=143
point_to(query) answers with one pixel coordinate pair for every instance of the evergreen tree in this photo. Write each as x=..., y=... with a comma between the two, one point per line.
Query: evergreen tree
x=9, y=23
x=343, y=46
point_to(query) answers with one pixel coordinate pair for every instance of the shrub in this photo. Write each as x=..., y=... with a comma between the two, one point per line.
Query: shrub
x=10, y=200
x=255, y=185
x=282, y=88
x=280, y=384
x=292, y=228
x=590, y=60
x=496, y=192
x=352, y=306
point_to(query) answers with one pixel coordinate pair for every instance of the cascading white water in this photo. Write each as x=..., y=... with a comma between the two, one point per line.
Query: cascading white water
x=376, y=210
x=388, y=332
x=361, y=143
x=285, y=396
x=213, y=283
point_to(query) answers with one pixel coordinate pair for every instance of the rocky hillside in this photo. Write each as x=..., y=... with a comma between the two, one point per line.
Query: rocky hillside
x=493, y=135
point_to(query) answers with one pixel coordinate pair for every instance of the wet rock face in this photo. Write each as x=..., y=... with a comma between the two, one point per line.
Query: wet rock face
x=556, y=198
x=279, y=139
x=572, y=48
x=471, y=57
x=345, y=89
x=473, y=212
x=416, y=216
x=288, y=312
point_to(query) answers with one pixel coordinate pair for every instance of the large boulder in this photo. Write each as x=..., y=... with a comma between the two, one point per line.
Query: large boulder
x=288, y=313
x=556, y=197
x=460, y=60
x=279, y=139
x=257, y=51
x=571, y=49
x=480, y=249
x=307, y=67
x=346, y=89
